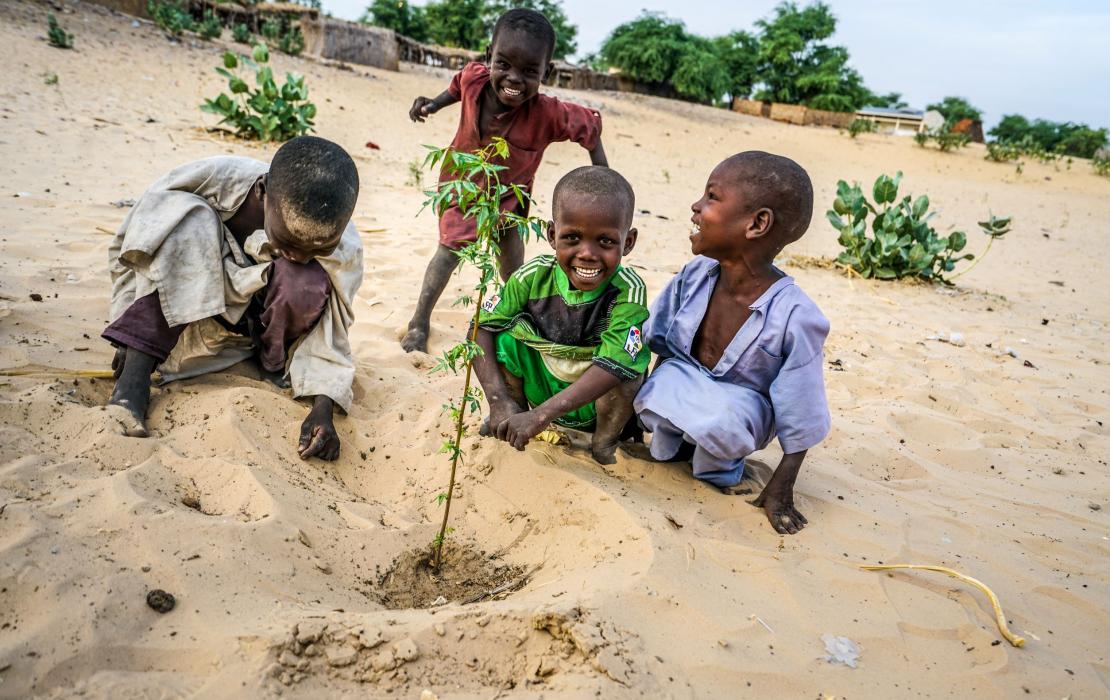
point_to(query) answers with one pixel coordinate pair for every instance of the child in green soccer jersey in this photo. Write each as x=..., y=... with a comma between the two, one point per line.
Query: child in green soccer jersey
x=562, y=339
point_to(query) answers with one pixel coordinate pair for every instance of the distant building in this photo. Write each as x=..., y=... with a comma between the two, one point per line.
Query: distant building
x=902, y=122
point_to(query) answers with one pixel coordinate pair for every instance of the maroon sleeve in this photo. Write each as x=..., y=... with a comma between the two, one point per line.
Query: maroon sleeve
x=576, y=123
x=465, y=79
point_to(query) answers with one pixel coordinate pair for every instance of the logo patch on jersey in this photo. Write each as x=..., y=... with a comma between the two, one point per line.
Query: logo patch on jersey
x=633, y=344
x=491, y=302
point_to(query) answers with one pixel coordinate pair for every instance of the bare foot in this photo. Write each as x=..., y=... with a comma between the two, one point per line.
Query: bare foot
x=637, y=450
x=604, y=454
x=132, y=391
x=415, y=339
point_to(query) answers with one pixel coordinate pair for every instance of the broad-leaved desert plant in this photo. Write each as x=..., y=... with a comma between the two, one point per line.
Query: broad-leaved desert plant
x=902, y=243
x=265, y=112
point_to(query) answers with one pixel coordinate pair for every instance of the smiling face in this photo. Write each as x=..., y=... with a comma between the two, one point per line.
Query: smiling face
x=725, y=221
x=590, y=236
x=517, y=65
x=294, y=245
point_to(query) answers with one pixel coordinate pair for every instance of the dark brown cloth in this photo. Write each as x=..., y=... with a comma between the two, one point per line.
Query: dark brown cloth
x=284, y=310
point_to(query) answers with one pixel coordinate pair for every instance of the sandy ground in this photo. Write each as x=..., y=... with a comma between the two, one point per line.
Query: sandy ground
x=651, y=584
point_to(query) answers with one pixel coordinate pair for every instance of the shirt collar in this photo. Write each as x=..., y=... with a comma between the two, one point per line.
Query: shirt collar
x=575, y=296
x=765, y=298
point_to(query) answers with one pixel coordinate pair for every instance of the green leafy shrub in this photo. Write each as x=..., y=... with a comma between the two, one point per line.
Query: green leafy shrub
x=902, y=244
x=860, y=126
x=270, y=29
x=266, y=112
x=478, y=192
x=209, y=27
x=1066, y=138
x=945, y=140
x=1101, y=164
x=292, y=41
x=241, y=33
x=58, y=37
x=170, y=16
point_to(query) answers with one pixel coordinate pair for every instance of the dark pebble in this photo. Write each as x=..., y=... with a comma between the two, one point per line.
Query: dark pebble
x=160, y=601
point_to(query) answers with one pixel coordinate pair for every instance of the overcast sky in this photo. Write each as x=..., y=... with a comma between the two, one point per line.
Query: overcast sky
x=1036, y=58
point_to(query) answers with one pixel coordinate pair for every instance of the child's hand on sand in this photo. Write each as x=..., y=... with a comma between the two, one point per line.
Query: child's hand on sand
x=521, y=428
x=780, y=510
x=421, y=107
x=318, y=436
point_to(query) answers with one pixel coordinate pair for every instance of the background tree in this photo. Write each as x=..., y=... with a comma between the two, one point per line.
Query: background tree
x=398, y=15
x=646, y=49
x=955, y=109
x=795, y=66
x=700, y=73
x=458, y=23
x=891, y=100
x=1065, y=138
x=738, y=53
x=566, y=34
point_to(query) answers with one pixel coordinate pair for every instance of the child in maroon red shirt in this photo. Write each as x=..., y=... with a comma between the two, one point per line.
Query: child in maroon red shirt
x=501, y=98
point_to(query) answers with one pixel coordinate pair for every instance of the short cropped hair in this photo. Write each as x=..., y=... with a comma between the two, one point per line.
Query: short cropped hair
x=598, y=182
x=315, y=184
x=528, y=21
x=778, y=183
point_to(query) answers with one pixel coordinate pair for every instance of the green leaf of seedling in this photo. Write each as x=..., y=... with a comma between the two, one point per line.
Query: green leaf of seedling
x=260, y=53
x=440, y=499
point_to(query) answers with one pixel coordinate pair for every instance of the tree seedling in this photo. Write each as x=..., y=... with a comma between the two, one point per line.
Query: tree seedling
x=477, y=191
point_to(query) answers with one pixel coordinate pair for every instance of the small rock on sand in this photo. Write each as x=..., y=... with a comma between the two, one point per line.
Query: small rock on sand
x=160, y=601
x=341, y=656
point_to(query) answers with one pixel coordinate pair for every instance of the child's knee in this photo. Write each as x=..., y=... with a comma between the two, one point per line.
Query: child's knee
x=301, y=290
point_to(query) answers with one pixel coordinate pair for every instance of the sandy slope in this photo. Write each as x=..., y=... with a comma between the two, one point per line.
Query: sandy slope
x=940, y=454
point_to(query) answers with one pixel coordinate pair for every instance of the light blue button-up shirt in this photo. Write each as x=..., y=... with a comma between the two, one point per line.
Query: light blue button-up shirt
x=774, y=363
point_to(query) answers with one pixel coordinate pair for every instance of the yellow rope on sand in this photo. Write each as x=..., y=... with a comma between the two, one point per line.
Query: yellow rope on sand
x=90, y=373
x=998, y=616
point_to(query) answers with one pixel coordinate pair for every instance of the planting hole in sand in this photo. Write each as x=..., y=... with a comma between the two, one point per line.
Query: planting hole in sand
x=465, y=575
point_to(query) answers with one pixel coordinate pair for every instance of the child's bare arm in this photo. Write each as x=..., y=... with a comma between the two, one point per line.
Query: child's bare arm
x=424, y=107
x=777, y=498
x=597, y=155
x=522, y=427
x=501, y=402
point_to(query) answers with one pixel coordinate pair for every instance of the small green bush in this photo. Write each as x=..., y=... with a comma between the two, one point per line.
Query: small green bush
x=241, y=33
x=292, y=42
x=57, y=36
x=945, y=140
x=1101, y=164
x=903, y=243
x=267, y=112
x=209, y=27
x=861, y=126
x=270, y=29
x=170, y=16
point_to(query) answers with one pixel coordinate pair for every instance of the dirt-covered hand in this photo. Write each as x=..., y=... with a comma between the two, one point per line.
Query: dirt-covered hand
x=318, y=436
x=421, y=107
x=521, y=428
x=780, y=510
x=499, y=414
